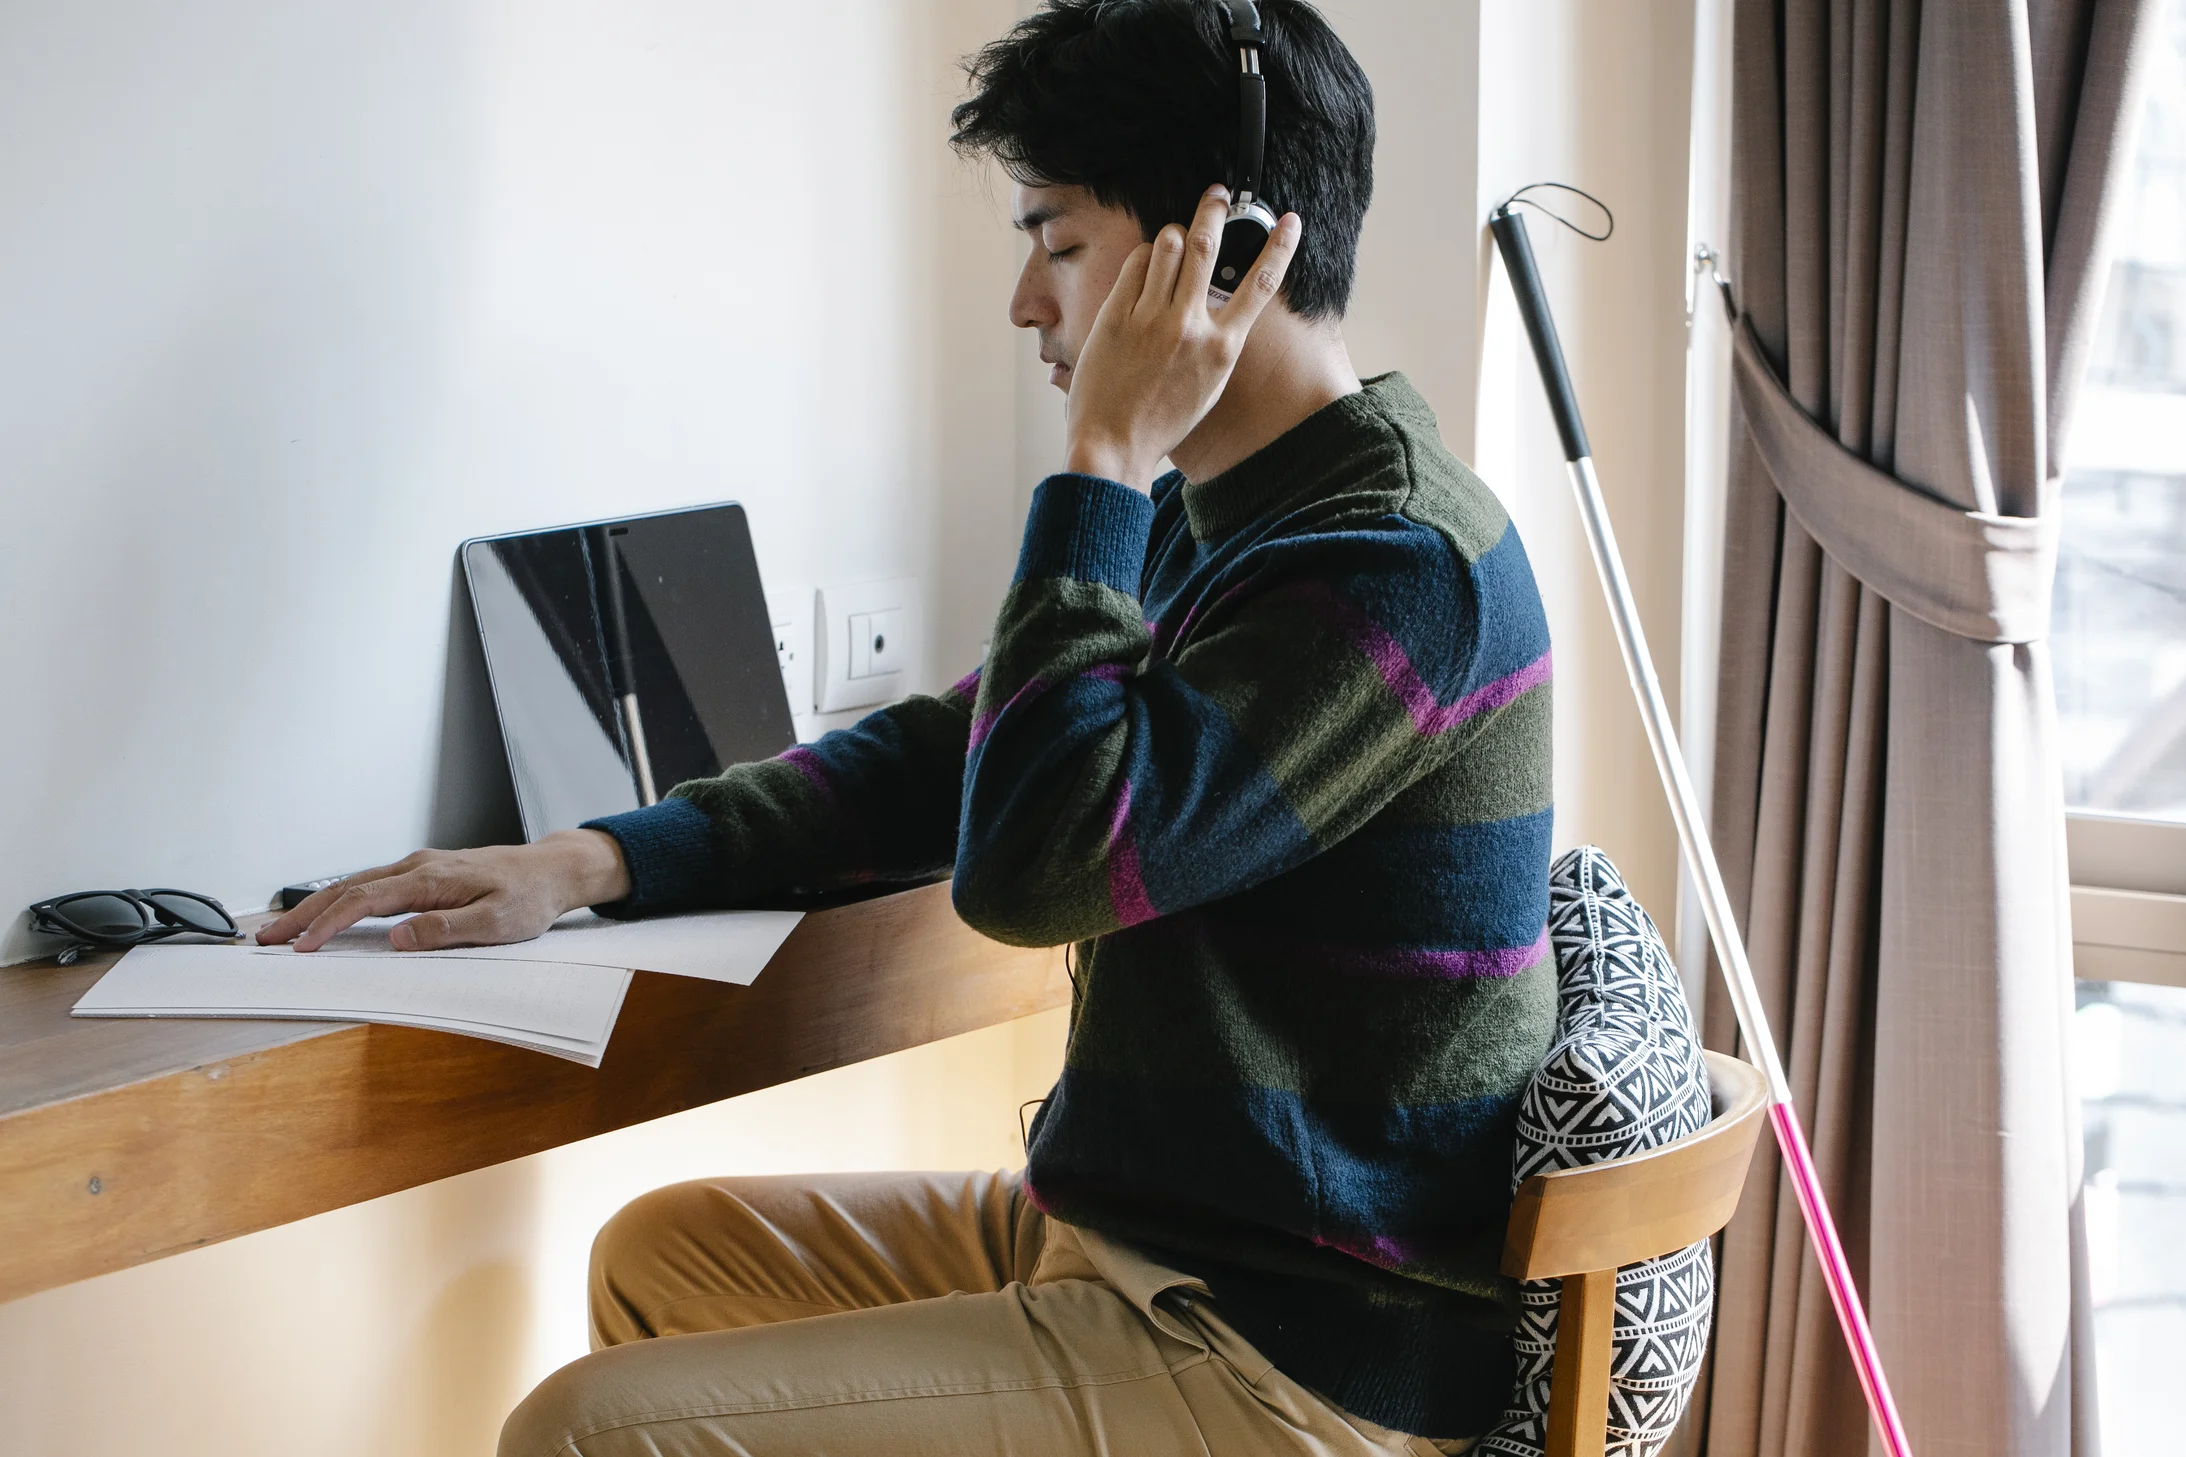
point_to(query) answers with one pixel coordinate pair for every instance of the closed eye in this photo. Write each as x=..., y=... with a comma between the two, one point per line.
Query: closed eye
x=1057, y=255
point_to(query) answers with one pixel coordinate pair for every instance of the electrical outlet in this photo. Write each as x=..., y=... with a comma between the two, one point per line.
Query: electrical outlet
x=868, y=643
x=791, y=616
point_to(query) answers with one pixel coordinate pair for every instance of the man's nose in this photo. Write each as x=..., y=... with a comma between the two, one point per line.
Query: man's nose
x=1031, y=305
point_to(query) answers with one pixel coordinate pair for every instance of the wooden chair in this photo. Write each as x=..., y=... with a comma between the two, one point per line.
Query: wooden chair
x=1581, y=1224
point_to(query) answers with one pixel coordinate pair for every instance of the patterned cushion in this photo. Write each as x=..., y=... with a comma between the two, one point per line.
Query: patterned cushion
x=1624, y=1074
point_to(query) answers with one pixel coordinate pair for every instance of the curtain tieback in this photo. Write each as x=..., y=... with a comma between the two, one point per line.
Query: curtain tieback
x=1971, y=573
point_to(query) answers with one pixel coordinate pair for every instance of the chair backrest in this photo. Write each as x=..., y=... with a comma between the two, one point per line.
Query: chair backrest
x=1581, y=1224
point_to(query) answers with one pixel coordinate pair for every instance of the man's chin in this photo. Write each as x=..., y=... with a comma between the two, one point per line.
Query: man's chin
x=1058, y=375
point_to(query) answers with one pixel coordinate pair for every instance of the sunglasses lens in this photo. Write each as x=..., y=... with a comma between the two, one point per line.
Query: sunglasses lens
x=188, y=910
x=101, y=915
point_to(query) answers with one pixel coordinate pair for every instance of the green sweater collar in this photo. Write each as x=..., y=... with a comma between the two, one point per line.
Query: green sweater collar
x=1306, y=458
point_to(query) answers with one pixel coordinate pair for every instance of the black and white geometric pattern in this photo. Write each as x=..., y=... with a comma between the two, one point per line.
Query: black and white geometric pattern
x=1624, y=1074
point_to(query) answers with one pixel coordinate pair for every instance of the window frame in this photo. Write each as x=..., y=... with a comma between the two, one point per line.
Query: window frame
x=2128, y=897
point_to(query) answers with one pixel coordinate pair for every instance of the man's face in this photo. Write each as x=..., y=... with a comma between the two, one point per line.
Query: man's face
x=1078, y=248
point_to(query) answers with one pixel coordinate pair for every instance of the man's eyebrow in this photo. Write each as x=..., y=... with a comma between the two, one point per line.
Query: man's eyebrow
x=1037, y=218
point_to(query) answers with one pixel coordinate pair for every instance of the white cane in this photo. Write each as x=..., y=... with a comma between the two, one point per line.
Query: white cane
x=1692, y=831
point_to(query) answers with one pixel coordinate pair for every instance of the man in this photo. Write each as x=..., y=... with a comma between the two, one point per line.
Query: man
x=1266, y=737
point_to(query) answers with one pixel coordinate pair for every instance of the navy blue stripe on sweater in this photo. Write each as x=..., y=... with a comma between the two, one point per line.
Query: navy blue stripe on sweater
x=1403, y=1173
x=1442, y=887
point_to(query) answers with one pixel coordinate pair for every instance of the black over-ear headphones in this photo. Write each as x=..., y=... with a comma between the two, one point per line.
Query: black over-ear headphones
x=1250, y=222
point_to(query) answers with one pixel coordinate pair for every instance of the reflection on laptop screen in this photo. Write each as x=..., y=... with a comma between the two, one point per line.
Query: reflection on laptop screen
x=626, y=657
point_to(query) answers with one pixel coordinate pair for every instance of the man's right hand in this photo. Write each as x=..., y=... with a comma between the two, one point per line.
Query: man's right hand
x=468, y=897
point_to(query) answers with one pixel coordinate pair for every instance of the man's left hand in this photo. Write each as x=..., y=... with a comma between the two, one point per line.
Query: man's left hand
x=1158, y=357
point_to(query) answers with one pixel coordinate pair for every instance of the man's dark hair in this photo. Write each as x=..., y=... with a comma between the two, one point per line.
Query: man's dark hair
x=1136, y=101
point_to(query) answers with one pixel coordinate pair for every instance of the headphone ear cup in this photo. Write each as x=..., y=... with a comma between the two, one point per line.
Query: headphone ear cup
x=1243, y=236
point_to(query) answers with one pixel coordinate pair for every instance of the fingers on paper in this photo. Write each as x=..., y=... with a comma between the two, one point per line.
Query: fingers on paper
x=293, y=921
x=411, y=890
x=481, y=923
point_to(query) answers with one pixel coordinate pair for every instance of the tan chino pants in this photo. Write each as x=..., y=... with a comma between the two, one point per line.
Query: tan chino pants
x=914, y=1315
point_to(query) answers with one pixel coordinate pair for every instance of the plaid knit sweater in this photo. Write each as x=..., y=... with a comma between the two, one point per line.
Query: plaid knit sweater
x=1273, y=750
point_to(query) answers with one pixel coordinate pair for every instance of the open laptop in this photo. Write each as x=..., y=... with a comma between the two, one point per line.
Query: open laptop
x=626, y=656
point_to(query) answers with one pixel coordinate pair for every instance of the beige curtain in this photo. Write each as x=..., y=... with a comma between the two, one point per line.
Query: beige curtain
x=1915, y=245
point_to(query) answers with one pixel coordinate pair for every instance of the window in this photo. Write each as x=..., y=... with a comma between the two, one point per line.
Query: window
x=2120, y=652
x=2120, y=630
x=2133, y=1084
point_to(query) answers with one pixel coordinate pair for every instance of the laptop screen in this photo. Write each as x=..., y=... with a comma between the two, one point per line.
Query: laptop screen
x=626, y=657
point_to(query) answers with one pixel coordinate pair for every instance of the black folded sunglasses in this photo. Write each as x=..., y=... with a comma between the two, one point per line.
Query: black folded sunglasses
x=92, y=918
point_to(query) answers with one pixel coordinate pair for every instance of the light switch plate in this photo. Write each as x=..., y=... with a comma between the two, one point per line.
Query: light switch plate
x=877, y=644
x=867, y=643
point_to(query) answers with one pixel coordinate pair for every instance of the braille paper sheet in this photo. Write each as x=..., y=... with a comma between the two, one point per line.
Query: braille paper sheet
x=730, y=946
x=558, y=994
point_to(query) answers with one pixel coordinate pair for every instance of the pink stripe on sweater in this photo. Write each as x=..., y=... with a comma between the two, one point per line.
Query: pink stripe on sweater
x=1494, y=961
x=1385, y=1251
x=984, y=724
x=1399, y=963
x=1428, y=716
x=858, y=850
x=1505, y=689
x=1126, y=888
x=807, y=763
x=1394, y=665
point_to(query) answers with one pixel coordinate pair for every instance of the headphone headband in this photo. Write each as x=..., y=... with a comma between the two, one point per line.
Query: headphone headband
x=1245, y=232
x=1252, y=98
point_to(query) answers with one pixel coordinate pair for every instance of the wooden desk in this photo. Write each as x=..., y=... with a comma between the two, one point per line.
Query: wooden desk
x=122, y=1141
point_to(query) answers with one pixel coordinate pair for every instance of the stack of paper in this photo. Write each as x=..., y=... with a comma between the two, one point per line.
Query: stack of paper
x=560, y=993
x=730, y=946
x=565, y=1010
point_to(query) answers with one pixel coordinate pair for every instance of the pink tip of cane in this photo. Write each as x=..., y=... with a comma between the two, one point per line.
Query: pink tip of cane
x=1837, y=1275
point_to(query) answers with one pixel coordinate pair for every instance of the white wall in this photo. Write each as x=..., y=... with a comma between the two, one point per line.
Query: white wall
x=294, y=296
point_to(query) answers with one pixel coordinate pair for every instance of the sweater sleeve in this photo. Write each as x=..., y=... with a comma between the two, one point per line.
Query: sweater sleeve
x=875, y=801
x=1120, y=771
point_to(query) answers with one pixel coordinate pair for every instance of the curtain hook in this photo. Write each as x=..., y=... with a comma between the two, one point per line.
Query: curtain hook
x=1705, y=260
